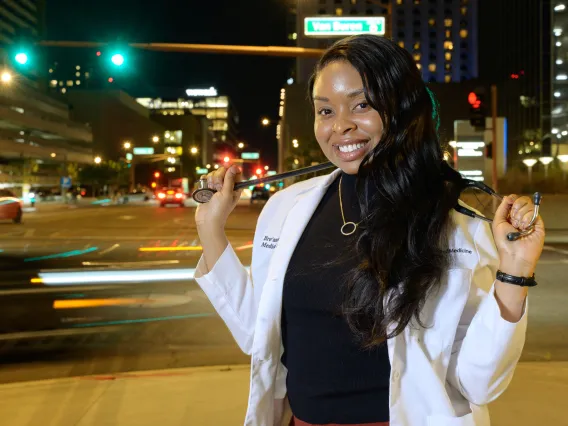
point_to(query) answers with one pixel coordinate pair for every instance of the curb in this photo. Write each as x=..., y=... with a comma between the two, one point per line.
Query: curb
x=164, y=373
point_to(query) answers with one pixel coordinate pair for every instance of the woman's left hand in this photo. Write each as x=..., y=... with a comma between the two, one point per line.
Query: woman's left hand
x=519, y=257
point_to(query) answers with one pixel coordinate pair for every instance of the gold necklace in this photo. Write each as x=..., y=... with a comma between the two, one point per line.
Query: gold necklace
x=346, y=224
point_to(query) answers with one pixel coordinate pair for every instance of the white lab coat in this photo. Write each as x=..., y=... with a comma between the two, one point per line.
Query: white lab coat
x=443, y=375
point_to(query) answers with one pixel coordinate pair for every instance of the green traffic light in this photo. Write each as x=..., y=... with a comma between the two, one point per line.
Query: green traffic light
x=21, y=58
x=117, y=59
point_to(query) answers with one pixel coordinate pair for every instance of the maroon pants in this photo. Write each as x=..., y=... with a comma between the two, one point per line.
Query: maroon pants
x=297, y=422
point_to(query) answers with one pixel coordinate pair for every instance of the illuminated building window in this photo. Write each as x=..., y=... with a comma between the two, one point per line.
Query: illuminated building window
x=78, y=82
x=417, y=57
x=401, y=44
x=64, y=90
x=432, y=22
x=77, y=67
x=87, y=75
x=464, y=11
x=448, y=34
x=448, y=67
x=448, y=56
x=448, y=45
x=448, y=22
x=353, y=2
x=50, y=70
x=77, y=74
x=61, y=83
x=417, y=45
x=53, y=83
x=398, y=1
x=447, y=78
x=432, y=67
x=463, y=33
x=419, y=66
x=69, y=83
x=339, y=11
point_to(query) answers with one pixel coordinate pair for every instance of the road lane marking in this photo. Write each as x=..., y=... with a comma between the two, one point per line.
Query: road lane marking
x=556, y=250
x=108, y=250
x=61, y=255
x=135, y=263
x=176, y=248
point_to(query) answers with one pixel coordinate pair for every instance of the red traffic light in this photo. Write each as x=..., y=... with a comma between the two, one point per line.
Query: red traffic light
x=157, y=175
x=227, y=159
x=473, y=100
x=110, y=79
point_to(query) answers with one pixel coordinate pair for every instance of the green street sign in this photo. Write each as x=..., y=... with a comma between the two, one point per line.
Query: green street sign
x=339, y=26
x=250, y=155
x=143, y=151
x=202, y=171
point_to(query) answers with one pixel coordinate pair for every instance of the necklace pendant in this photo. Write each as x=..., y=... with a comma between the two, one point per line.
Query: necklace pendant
x=348, y=228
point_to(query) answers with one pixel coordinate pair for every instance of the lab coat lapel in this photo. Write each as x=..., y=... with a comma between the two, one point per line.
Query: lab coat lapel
x=270, y=306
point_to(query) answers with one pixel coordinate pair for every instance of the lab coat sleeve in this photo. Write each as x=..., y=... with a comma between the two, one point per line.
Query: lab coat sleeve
x=486, y=348
x=228, y=286
x=233, y=290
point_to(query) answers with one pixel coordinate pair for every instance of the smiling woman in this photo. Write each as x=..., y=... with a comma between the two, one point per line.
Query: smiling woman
x=377, y=300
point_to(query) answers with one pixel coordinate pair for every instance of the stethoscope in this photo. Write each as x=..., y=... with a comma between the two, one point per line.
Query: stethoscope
x=203, y=193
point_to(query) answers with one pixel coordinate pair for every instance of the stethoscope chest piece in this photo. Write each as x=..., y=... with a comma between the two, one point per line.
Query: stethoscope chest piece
x=203, y=193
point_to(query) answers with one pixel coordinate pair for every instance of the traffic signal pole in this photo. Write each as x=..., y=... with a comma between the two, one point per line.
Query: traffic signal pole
x=282, y=51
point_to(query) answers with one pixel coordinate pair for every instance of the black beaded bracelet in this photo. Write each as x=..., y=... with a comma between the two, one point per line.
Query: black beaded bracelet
x=511, y=279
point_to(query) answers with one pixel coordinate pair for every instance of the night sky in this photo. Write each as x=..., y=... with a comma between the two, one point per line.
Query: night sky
x=252, y=82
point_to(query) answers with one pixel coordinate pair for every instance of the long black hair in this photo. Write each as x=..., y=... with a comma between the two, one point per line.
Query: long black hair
x=404, y=235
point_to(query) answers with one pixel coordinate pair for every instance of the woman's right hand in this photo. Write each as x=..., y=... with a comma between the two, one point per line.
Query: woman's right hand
x=213, y=215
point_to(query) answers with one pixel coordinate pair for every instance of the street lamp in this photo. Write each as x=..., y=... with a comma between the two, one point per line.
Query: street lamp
x=6, y=77
x=193, y=150
x=295, y=143
x=98, y=160
x=530, y=162
x=265, y=121
x=156, y=139
x=127, y=145
x=241, y=145
x=546, y=161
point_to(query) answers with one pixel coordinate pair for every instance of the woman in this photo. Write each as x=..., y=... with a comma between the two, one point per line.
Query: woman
x=369, y=299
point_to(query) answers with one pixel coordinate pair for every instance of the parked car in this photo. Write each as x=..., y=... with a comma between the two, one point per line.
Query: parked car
x=11, y=207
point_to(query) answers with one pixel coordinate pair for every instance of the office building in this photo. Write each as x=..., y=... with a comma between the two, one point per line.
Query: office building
x=441, y=35
x=515, y=40
x=559, y=74
x=21, y=18
x=39, y=140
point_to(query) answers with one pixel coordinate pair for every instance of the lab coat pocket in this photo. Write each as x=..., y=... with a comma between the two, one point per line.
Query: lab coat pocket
x=466, y=420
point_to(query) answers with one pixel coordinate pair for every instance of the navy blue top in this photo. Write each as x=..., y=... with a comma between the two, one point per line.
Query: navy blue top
x=331, y=379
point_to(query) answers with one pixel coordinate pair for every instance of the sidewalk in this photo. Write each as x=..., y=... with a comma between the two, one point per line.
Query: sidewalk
x=217, y=396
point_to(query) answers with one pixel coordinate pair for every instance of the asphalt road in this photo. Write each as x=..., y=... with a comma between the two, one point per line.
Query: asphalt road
x=165, y=324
